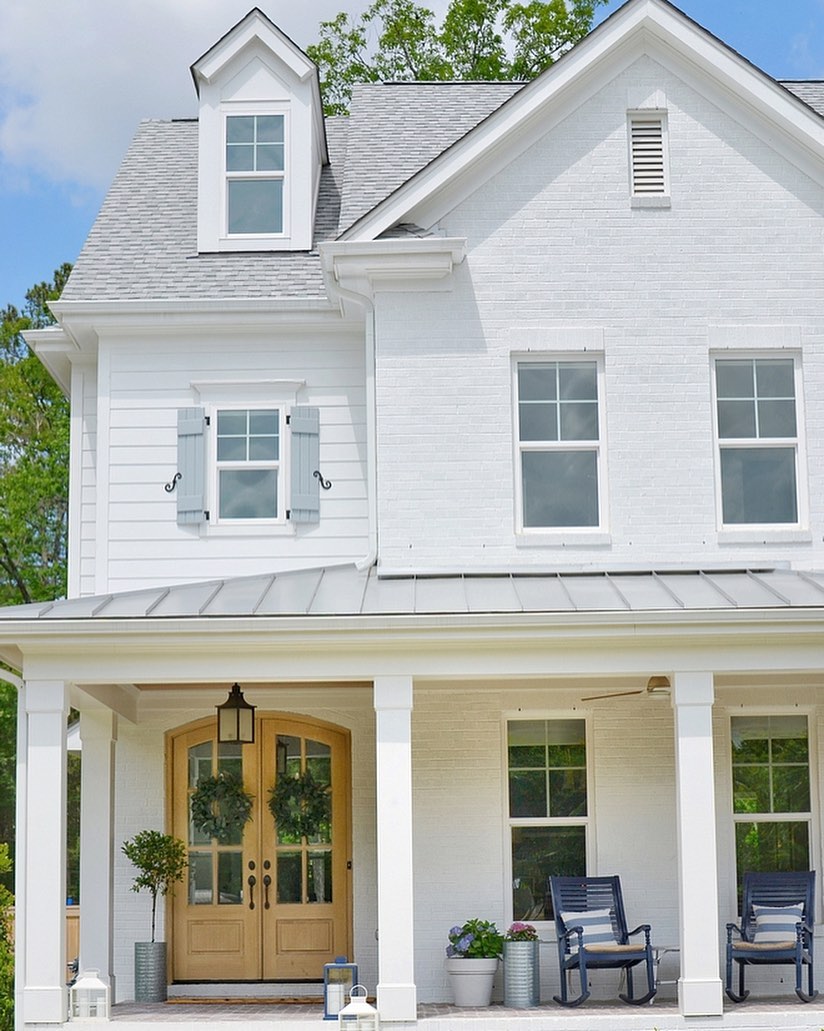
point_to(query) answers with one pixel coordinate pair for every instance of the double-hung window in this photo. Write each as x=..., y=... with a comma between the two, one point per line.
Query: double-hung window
x=758, y=440
x=255, y=171
x=248, y=464
x=772, y=808
x=548, y=808
x=559, y=444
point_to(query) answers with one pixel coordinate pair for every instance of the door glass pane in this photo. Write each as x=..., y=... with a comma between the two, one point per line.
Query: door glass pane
x=230, y=758
x=289, y=877
x=320, y=876
x=319, y=765
x=200, y=767
x=230, y=878
x=200, y=878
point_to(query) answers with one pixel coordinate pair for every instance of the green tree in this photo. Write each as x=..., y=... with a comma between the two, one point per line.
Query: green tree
x=34, y=458
x=6, y=948
x=399, y=40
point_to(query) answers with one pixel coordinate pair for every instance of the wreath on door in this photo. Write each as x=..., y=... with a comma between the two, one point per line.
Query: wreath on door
x=220, y=807
x=300, y=805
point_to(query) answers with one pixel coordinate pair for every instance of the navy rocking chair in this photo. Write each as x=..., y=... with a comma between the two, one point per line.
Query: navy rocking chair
x=777, y=915
x=592, y=934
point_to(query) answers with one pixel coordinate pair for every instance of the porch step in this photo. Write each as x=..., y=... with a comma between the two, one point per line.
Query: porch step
x=246, y=991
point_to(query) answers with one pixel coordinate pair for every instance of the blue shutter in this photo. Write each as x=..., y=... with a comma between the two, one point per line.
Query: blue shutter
x=304, y=503
x=191, y=459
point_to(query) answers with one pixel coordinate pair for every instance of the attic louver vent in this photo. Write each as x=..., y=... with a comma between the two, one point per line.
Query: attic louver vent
x=647, y=155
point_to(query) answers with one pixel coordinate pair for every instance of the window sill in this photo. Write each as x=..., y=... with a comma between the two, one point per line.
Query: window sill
x=564, y=539
x=247, y=530
x=657, y=200
x=770, y=535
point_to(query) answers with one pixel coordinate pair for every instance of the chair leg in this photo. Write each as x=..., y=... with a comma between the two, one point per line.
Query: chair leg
x=562, y=1000
x=742, y=995
x=651, y=989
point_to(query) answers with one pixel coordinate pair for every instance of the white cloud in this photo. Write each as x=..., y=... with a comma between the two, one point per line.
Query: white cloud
x=76, y=76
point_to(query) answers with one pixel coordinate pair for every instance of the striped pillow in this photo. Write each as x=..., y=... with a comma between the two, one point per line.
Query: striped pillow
x=776, y=923
x=597, y=926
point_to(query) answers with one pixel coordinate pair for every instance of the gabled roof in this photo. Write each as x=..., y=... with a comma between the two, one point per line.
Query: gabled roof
x=348, y=591
x=399, y=137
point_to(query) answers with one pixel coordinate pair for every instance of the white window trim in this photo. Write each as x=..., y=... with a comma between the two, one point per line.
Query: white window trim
x=762, y=532
x=562, y=535
x=652, y=199
x=254, y=241
x=815, y=822
x=247, y=526
x=589, y=822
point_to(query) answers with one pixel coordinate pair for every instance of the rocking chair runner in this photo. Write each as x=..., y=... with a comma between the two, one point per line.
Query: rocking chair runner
x=776, y=928
x=592, y=935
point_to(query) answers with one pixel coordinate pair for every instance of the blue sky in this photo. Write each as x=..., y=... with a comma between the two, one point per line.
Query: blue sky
x=77, y=75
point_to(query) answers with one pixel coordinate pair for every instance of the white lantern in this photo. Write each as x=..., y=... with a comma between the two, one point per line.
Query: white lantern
x=89, y=997
x=358, y=1015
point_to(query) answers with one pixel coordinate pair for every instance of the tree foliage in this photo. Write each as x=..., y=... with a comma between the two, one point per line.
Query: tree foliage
x=34, y=457
x=400, y=40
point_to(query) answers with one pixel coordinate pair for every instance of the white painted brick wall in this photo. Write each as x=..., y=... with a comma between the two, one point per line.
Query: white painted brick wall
x=553, y=246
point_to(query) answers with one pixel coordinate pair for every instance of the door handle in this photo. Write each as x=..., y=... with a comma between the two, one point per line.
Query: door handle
x=252, y=882
x=267, y=880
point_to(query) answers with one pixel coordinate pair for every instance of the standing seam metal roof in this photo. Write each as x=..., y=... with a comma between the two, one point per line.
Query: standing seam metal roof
x=347, y=591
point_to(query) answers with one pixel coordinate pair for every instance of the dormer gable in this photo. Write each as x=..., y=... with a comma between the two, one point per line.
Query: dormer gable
x=261, y=141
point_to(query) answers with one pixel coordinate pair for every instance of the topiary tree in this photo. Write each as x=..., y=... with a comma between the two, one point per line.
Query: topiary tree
x=161, y=860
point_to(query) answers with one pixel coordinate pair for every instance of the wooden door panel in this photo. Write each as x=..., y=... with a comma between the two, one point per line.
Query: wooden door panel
x=298, y=915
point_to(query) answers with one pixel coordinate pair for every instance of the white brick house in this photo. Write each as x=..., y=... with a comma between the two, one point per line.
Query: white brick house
x=556, y=355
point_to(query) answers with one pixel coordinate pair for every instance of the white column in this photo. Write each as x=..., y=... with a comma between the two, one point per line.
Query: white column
x=699, y=987
x=397, y=994
x=44, y=915
x=98, y=733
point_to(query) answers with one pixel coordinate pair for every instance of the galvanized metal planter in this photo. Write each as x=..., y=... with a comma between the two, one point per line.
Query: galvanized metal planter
x=522, y=977
x=150, y=971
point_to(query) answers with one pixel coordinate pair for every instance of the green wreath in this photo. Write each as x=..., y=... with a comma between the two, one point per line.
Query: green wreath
x=300, y=806
x=220, y=807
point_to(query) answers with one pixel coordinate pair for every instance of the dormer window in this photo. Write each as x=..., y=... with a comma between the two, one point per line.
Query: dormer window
x=255, y=166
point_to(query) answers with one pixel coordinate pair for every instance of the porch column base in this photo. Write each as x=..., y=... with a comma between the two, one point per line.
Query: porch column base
x=700, y=998
x=397, y=1002
x=45, y=1006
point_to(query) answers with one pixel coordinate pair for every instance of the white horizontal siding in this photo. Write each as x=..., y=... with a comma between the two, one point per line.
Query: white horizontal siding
x=146, y=381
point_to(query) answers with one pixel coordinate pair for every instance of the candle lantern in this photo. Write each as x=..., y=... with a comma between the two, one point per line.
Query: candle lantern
x=359, y=1015
x=89, y=997
x=339, y=978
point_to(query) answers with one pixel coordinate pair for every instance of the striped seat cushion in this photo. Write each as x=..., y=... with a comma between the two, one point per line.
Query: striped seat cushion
x=596, y=924
x=776, y=923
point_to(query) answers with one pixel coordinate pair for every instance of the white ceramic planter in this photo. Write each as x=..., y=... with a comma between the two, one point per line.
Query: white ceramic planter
x=471, y=980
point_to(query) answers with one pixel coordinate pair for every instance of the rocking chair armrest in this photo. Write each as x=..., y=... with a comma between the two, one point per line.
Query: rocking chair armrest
x=730, y=929
x=802, y=928
x=569, y=932
x=646, y=928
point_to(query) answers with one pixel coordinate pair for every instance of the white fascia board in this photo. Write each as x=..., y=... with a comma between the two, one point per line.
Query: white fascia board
x=365, y=267
x=253, y=27
x=642, y=26
x=56, y=349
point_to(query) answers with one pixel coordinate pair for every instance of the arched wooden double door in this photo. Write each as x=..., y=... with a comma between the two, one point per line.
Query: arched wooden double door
x=262, y=903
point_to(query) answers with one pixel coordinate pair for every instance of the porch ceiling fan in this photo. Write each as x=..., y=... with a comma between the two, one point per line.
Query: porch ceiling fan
x=657, y=685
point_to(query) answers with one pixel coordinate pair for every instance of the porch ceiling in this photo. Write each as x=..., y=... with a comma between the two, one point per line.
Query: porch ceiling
x=346, y=590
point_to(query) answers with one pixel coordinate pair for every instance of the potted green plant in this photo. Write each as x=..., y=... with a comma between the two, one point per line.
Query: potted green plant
x=160, y=860
x=522, y=980
x=472, y=957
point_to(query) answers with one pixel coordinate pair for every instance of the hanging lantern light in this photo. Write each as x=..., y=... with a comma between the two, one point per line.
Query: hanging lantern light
x=236, y=719
x=89, y=997
x=338, y=980
x=358, y=1015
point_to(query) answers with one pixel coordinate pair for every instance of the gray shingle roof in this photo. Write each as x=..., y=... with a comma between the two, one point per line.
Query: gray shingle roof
x=811, y=92
x=143, y=245
x=347, y=591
